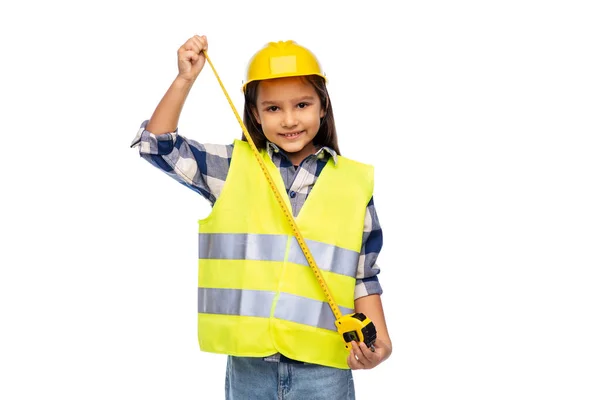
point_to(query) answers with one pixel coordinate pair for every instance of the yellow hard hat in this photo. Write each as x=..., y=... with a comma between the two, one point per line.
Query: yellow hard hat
x=282, y=59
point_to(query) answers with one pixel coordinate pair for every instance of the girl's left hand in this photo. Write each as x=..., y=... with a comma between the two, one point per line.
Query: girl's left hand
x=361, y=357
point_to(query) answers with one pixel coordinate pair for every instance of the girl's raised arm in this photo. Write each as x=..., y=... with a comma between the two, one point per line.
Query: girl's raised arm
x=190, y=61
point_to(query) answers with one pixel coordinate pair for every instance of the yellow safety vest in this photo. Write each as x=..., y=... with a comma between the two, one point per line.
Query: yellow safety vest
x=256, y=293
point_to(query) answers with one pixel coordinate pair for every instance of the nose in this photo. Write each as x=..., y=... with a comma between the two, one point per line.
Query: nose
x=289, y=119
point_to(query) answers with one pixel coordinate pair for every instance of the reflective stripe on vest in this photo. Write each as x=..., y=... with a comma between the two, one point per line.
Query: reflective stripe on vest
x=239, y=246
x=258, y=303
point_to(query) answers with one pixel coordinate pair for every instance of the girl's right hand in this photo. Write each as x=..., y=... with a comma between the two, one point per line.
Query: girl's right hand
x=191, y=59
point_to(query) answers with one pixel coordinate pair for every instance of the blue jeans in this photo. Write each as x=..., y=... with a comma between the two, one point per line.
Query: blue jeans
x=256, y=379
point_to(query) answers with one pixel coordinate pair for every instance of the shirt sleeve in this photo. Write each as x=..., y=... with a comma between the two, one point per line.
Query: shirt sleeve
x=367, y=282
x=201, y=167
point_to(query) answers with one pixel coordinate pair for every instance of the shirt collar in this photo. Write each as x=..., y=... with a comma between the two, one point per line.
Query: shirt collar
x=322, y=153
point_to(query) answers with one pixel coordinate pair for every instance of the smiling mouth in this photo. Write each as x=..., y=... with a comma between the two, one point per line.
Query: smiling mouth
x=291, y=135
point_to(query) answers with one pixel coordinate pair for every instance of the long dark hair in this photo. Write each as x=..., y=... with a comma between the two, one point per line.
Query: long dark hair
x=326, y=136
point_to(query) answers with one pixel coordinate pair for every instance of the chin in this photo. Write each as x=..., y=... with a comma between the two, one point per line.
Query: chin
x=292, y=148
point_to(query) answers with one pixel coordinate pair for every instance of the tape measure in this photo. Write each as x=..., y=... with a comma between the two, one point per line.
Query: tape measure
x=352, y=327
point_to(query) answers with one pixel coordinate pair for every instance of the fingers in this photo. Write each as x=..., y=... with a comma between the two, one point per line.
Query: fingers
x=362, y=357
x=190, y=59
x=369, y=355
x=354, y=361
x=191, y=55
x=195, y=43
x=200, y=42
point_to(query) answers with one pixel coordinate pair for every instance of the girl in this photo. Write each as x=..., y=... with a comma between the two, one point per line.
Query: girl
x=258, y=301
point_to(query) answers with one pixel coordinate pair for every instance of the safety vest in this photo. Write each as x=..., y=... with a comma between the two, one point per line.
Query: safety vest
x=256, y=293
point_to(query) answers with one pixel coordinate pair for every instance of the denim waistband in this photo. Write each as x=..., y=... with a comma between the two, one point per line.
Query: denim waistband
x=282, y=359
x=287, y=360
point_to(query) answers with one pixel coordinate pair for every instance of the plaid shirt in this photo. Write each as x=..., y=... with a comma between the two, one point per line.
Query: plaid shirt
x=203, y=168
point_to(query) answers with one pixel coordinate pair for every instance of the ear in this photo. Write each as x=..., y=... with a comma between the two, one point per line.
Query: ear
x=322, y=114
x=256, y=116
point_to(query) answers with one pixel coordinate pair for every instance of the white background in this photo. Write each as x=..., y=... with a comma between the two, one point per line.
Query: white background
x=481, y=118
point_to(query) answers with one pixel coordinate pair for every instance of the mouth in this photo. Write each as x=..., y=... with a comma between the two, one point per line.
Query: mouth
x=291, y=135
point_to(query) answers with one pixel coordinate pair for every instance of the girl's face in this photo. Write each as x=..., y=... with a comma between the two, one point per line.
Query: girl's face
x=289, y=112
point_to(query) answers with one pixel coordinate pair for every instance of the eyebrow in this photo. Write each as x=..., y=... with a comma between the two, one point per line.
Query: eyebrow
x=297, y=100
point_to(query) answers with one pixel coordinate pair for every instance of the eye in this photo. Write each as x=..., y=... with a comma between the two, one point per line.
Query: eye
x=272, y=108
x=303, y=105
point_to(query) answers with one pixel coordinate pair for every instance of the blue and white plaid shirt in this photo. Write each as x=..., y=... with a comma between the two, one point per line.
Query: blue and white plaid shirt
x=204, y=167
